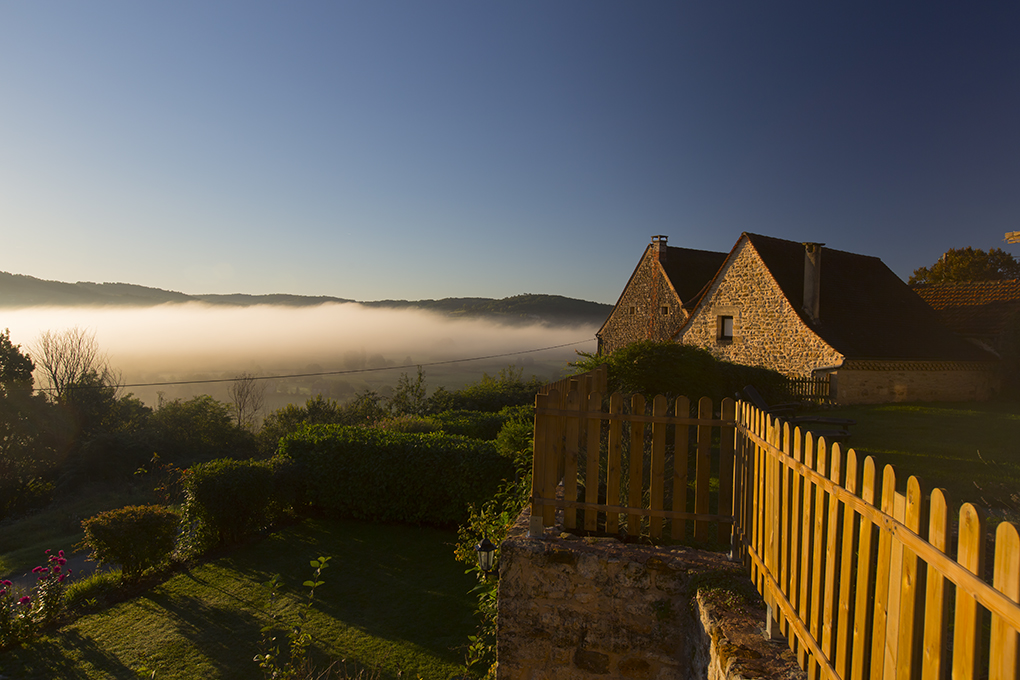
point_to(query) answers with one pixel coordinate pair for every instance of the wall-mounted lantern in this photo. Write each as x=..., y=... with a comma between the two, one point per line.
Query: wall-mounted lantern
x=486, y=554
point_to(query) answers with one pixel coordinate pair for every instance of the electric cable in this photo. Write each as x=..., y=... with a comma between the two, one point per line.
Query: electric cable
x=322, y=373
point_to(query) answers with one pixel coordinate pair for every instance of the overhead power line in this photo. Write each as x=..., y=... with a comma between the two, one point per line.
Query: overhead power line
x=322, y=373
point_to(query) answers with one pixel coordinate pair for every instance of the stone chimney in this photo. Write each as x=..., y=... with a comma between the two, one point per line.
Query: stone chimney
x=813, y=279
x=659, y=247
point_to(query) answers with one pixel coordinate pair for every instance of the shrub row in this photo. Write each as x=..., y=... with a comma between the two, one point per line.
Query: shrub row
x=395, y=476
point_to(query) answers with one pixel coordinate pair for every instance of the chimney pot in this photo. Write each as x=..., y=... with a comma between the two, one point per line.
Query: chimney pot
x=659, y=247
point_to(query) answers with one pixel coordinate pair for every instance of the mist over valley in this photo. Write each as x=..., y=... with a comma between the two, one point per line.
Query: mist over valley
x=368, y=347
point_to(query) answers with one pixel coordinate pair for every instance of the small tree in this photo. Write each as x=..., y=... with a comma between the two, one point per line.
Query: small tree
x=410, y=397
x=248, y=395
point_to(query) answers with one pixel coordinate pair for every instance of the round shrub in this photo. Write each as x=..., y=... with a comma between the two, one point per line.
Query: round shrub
x=137, y=537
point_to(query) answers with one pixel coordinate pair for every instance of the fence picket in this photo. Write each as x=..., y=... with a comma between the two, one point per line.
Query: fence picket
x=538, y=463
x=657, y=481
x=613, y=465
x=860, y=667
x=908, y=647
x=936, y=608
x=882, y=571
x=703, y=470
x=592, y=453
x=848, y=548
x=807, y=538
x=817, y=549
x=1003, y=651
x=970, y=554
x=832, y=554
x=681, y=442
x=571, y=436
x=635, y=469
x=796, y=520
x=727, y=434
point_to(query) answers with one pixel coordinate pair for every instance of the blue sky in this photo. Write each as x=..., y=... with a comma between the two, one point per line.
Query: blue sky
x=435, y=149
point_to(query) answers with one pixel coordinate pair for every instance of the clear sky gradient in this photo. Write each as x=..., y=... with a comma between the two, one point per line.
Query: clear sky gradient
x=373, y=150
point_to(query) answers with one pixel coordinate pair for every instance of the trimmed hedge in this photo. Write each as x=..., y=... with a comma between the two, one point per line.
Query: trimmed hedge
x=136, y=537
x=395, y=476
x=231, y=497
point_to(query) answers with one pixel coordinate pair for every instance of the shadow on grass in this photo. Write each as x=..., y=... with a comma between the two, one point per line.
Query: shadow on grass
x=76, y=656
x=225, y=636
x=389, y=581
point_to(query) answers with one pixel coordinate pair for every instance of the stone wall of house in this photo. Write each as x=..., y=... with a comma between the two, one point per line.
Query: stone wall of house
x=879, y=382
x=766, y=329
x=594, y=608
x=649, y=308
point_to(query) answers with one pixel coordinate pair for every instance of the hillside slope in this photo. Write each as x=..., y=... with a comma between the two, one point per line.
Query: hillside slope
x=20, y=291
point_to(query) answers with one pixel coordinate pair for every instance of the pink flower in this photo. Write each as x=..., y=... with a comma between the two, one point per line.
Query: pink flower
x=5, y=583
x=3, y=592
x=25, y=600
x=60, y=579
x=60, y=553
x=47, y=551
x=37, y=570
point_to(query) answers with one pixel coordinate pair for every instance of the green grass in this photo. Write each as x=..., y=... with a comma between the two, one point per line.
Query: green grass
x=393, y=599
x=970, y=449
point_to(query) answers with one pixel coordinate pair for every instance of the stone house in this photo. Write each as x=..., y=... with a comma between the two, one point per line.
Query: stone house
x=981, y=311
x=659, y=294
x=805, y=310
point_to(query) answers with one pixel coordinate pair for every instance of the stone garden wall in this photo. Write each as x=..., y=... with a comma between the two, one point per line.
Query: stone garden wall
x=575, y=608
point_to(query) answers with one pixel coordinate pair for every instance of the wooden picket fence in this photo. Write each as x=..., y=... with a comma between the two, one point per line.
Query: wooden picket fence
x=858, y=575
x=637, y=467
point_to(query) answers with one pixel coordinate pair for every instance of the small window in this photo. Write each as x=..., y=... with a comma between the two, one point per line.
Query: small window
x=632, y=310
x=665, y=310
x=726, y=328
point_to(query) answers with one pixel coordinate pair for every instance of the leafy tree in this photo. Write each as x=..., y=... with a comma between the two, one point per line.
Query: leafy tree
x=960, y=265
x=28, y=450
x=491, y=393
x=198, y=429
x=15, y=367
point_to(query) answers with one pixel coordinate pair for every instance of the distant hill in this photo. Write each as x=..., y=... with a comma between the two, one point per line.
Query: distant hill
x=20, y=291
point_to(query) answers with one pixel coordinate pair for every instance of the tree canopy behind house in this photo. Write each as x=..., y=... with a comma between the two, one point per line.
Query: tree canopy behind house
x=669, y=368
x=960, y=265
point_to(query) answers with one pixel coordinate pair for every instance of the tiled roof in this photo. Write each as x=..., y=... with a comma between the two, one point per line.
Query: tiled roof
x=690, y=271
x=977, y=309
x=866, y=311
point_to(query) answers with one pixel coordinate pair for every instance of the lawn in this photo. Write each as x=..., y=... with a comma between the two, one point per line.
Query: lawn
x=970, y=449
x=393, y=599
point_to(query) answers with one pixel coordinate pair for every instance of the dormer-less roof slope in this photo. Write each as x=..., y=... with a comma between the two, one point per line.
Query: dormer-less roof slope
x=690, y=271
x=866, y=311
x=973, y=309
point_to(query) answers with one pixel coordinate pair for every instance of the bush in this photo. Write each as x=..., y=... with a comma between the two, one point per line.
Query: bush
x=674, y=370
x=409, y=423
x=231, y=497
x=137, y=537
x=473, y=424
x=507, y=388
x=394, y=476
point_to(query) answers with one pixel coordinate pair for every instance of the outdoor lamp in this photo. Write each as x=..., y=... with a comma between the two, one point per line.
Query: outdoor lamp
x=486, y=554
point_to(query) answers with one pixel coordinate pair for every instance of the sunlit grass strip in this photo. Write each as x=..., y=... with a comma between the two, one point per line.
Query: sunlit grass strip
x=393, y=598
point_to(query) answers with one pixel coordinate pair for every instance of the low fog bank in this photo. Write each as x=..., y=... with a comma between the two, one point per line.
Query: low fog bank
x=195, y=341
